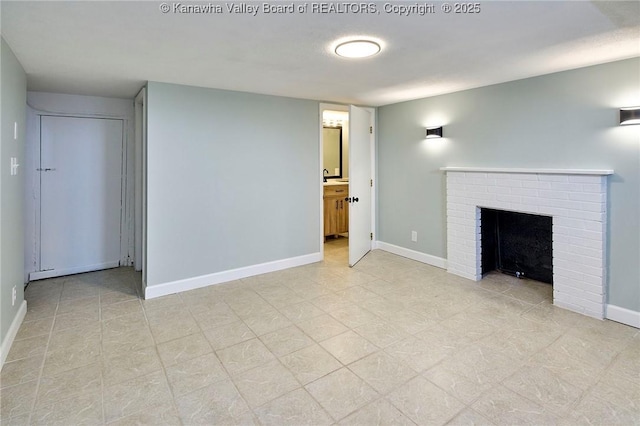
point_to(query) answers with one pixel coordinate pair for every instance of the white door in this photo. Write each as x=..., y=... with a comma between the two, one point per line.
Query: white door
x=359, y=184
x=81, y=187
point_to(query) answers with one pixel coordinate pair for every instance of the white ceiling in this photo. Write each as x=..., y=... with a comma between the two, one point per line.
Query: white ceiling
x=112, y=48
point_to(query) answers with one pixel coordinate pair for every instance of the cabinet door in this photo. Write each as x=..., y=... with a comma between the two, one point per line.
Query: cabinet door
x=343, y=216
x=330, y=216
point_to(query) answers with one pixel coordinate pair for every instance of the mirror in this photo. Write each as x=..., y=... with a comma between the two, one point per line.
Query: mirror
x=332, y=151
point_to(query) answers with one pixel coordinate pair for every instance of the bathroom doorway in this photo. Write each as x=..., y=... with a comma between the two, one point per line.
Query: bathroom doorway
x=346, y=172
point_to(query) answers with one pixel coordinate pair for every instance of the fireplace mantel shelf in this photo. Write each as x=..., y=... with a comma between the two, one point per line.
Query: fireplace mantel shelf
x=591, y=172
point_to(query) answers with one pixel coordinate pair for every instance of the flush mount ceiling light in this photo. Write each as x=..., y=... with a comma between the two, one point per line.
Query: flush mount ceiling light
x=360, y=48
x=630, y=115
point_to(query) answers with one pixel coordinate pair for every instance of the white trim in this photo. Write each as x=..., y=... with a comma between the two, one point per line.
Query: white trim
x=623, y=315
x=438, y=262
x=596, y=172
x=40, y=275
x=164, y=289
x=11, y=334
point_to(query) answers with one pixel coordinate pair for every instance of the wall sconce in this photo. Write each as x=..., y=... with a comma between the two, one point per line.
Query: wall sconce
x=434, y=132
x=630, y=115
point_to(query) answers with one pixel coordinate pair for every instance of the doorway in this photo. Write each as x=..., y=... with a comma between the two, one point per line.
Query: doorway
x=81, y=195
x=346, y=170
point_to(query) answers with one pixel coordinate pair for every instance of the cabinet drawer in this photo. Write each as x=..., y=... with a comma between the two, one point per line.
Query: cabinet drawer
x=336, y=190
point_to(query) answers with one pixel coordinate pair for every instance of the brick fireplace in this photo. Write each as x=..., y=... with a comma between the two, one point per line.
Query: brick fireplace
x=576, y=200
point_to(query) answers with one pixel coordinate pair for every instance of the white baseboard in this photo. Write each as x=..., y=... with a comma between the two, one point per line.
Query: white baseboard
x=623, y=315
x=164, y=289
x=41, y=275
x=412, y=254
x=11, y=334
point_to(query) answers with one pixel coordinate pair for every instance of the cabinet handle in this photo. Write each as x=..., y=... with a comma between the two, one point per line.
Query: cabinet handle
x=341, y=204
x=339, y=190
x=336, y=204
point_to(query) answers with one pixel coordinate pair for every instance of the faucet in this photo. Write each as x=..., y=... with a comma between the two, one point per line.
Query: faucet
x=324, y=178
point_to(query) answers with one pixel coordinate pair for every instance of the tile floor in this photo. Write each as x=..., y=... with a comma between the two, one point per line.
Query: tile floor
x=391, y=341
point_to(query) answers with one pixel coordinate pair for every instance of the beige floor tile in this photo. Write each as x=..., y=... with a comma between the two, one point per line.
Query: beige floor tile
x=378, y=413
x=160, y=303
x=21, y=371
x=215, y=404
x=215, y=316
x=541, y=386
x=154, y=415
x=195, y=373
x=120, y=309
x=69, y=349
x=504, y=349
x=416, y=353
x=244, y=356
x=117, y=338
x=353, y=315
x=16, y=400
x=267, y=322
x=91, y=304
x=310, y=363
x=286, y=340
x=112, y=297
x=472, y=326
x=322, y=327
x=341, y=393
x=469, y=417
x=136, y=394
x=597, y=353
x=265, y=383
x=382, y=371
x=296, y=408
x=19, y=420
x=481, y=364
x=27, y=348
x=410, y=321
x=171, y=323
x=300, y=311
x=627, y=364
x=381, y=333
x=571, y=370
x=183, y=349
x=122, y=367
x=502, y=406
x=35, y=328
x=424, y=403
x=228, y=335
x=348, y=347
x=465, y=389
x=619, y=391
x=79, y=381
x=83, y=409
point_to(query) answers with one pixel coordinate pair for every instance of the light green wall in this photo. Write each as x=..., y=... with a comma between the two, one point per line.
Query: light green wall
x=13, y=94
x=562, y=120
x=233, y=180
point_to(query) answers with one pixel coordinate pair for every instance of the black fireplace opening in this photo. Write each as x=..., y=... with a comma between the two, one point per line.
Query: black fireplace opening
x=517, y=244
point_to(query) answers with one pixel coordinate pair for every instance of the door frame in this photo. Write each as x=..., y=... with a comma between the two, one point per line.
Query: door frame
x=32, y=207
x=372, y=138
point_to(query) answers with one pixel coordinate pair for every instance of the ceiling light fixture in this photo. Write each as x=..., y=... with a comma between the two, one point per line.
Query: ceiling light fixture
x=360, y=48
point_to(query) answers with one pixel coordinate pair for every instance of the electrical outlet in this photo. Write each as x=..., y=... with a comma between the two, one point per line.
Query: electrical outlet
x=414, y=236
x=14, y=295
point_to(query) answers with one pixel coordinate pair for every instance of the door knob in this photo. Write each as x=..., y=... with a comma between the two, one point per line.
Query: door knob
x=355, y=199
x=351, y=200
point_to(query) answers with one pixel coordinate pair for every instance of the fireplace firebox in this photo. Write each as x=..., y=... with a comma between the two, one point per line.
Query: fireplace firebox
x=517, y=244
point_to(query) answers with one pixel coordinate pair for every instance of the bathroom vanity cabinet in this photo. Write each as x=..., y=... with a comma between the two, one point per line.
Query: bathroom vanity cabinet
x=336, y=209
